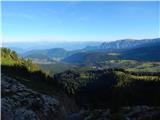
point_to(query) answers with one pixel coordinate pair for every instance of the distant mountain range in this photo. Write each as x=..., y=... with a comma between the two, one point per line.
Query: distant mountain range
x=23, y=47
x=144, y=50
x=121, y=44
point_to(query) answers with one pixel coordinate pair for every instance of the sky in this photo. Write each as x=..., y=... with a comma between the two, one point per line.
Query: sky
x=79, y=21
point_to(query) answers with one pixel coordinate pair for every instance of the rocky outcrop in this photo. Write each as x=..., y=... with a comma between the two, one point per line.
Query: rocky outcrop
x=141, y=113
x=22, y=103
x=125, y=113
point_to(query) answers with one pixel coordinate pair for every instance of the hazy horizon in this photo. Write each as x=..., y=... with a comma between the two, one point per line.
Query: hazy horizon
x=14, y=42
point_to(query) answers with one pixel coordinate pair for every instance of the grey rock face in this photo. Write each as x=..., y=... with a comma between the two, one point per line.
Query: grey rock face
x=141, y=113
x=21, y=103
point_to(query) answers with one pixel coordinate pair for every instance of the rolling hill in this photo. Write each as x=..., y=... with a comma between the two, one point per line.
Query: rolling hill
x=48, y=54
x=149, y=52
x=90, y=57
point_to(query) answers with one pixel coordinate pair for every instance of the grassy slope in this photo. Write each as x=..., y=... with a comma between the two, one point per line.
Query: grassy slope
x=26, y=72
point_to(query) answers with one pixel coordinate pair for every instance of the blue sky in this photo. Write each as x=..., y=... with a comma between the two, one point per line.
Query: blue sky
x=79, y=21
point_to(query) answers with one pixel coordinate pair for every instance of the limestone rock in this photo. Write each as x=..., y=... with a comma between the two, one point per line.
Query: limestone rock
x=22, y=103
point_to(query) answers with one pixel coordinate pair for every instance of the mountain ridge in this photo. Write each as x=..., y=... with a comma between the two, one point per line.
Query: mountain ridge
x=141, y=51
